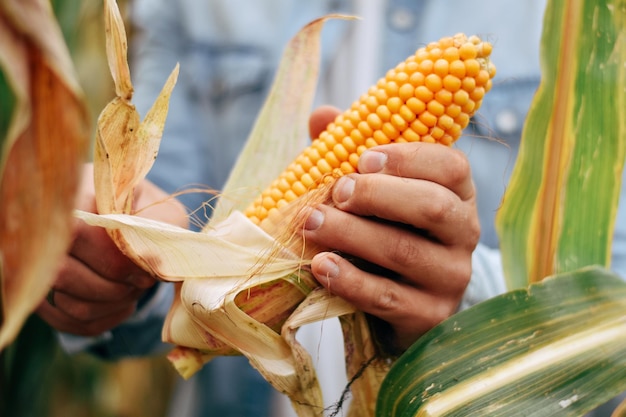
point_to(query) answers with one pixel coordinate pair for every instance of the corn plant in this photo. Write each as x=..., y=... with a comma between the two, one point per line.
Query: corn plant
x=557, y=347
x=517, y=340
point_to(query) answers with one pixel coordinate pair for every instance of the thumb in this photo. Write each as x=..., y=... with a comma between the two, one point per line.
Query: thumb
x=320, y=118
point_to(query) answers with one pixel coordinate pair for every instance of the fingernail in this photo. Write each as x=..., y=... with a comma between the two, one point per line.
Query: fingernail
x=372, y=161
x=314, y=220
x=328, y=268
x=343, y=189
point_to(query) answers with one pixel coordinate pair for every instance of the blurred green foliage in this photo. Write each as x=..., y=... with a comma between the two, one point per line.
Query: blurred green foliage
x=7, y=101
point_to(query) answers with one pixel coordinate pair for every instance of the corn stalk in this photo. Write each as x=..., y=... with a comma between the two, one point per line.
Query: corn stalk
x=556, y=348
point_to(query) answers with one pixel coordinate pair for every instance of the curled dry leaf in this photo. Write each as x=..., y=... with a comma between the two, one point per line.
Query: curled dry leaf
x=41, y=155
x=125, y=148
x=235, y=285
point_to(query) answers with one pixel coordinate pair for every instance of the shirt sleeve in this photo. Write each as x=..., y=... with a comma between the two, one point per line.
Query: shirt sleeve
x=487, y=279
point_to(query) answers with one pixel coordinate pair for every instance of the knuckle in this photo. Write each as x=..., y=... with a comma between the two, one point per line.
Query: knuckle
x=441, y=312
x=459, y=275
x=81, y=311
x=364, y=196
x=460, y=165
x=385, y=300
x=473, y=233
x=403, y=250
x=440, y=208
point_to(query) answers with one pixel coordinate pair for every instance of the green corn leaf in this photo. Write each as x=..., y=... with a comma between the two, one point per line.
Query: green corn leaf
x=556, y=349
x=559, y=210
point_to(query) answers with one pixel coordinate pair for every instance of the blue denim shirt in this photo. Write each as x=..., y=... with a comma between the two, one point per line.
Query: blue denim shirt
x=228, y=52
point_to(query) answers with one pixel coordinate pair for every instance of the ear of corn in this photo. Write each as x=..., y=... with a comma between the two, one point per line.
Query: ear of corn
x=430, y=97
x=230, y=276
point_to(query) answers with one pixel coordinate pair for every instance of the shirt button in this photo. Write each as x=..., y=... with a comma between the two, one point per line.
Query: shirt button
x=507, y=122
x=401, y=18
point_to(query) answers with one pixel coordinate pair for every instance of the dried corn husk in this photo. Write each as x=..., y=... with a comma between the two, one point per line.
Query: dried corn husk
x=44, y=145
x=239, y=289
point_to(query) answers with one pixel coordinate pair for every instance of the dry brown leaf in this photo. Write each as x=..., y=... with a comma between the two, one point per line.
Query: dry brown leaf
x=47, y=141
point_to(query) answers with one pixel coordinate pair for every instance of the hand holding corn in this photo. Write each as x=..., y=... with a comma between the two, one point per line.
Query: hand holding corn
x=411, y=210
x=431, y=266
x=97, y=287
x=443, y=95
x=428, y=98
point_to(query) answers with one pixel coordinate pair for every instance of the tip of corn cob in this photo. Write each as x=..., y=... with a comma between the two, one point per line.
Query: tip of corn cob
x=430, y=97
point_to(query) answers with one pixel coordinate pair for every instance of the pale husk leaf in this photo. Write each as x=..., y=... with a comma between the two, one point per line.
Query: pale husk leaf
x=215, y=270
x=281, y=129
x=125, y=148
x=232, y=249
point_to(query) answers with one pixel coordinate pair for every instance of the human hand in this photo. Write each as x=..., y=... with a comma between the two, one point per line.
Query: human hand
x=411, y=211
x=97, y=287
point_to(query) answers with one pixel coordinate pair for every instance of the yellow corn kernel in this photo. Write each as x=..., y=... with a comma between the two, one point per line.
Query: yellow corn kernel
x=380, y=137
x=394, y=104
x=350, y=144
x=424, y=93
x=406, y=91
x=451, y=83
x=430, y=97
x=384, y=113
x=433, y=82
x=436, y=108
x=444, y=97
x=453, y=110
x=419, y=127
x=391, y=88
x=441, y=67
x=457, y=68
x=417, y=79
x=316, y=174
x=398, y=122
x=428, y=118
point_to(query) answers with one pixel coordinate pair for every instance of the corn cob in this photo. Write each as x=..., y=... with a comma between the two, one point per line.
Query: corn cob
x=430, y=97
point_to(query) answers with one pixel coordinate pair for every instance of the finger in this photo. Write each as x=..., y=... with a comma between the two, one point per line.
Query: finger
x=415, y=257
x=67, y=323
x=440, y=164
x=82, y=282
x=321, y=118
x=412, y=312
x=86, y=196
x=89, y=311
x=93, y=247
x=422, y=204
